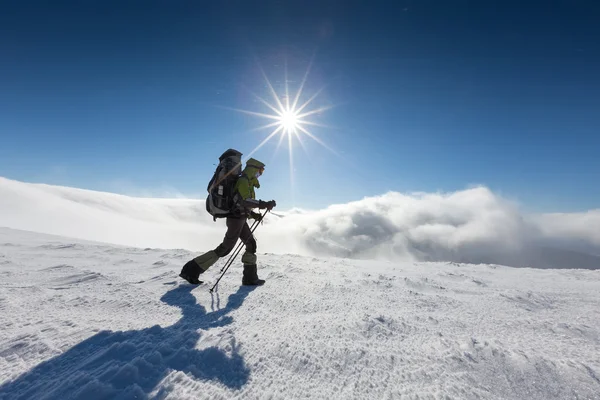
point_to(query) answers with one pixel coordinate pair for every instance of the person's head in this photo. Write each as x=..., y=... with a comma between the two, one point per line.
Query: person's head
x=255, y=167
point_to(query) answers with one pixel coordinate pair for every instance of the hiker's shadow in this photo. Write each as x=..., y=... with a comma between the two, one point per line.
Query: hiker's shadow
x=129, y=364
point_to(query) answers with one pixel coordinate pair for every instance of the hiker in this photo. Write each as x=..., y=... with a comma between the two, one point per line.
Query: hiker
x=237, y=226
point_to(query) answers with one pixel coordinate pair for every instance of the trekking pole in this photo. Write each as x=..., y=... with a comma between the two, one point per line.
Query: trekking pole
x=233, y=256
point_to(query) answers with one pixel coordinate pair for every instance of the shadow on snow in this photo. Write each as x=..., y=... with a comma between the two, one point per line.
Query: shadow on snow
x=129, y=364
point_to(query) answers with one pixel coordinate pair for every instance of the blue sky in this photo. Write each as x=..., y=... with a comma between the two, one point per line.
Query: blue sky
x=136, y=97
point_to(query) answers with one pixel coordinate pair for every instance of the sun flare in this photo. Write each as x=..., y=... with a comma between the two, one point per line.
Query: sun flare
x=289, y=121
x=289, y=117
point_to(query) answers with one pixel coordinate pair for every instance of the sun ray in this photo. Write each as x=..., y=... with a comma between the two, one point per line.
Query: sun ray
x=318, y=110
x=290, y=147
x=299, y=92
x=311, y=123
x=257, y=114
x=267, y=104
x=260, y=128
x=316, y=139
x=287, y=89
x=273, y=93
x=307, y=102
x=281, y=137
x=275, y=132
x=299, y=137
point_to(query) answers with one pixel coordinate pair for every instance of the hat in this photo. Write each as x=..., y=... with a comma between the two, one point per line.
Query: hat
x=254, y=163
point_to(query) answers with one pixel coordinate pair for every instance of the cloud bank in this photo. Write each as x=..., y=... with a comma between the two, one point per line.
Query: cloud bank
x=473, y=225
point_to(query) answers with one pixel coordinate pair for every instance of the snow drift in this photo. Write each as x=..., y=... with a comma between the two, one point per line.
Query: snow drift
x=472, y=226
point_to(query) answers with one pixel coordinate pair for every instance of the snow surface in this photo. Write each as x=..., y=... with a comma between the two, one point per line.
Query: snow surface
x=85, y=320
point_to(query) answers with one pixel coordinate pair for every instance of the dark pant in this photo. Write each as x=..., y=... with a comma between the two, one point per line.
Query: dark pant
x=236, y=228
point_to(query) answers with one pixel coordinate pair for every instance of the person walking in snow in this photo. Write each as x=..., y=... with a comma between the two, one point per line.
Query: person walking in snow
x=237, y=227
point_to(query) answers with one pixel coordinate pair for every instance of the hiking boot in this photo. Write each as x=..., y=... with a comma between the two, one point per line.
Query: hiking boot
x=191, y=271
x=250, y=277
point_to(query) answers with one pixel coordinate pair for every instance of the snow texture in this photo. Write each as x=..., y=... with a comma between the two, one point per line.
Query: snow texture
x=469, y=226
x=85, y=320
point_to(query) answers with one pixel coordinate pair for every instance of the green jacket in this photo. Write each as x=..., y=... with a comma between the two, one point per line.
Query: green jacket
x=245, y=185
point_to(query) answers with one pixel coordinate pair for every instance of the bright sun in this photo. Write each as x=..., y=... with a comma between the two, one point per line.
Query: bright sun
x=289, y=116
x=289, y=121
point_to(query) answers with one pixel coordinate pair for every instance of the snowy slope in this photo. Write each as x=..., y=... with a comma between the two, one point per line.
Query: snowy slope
x=82, y=320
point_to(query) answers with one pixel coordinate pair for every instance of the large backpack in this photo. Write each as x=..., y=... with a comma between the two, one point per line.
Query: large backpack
x=222, y=198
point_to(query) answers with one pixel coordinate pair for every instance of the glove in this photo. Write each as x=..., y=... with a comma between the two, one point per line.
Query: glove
x=269, y=205
x=256, y=216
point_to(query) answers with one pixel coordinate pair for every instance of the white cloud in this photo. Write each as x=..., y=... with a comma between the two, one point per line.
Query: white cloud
x=473, y=225
x=423, y=226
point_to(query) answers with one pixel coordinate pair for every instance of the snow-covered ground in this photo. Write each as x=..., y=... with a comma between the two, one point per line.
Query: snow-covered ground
x=84, y=320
